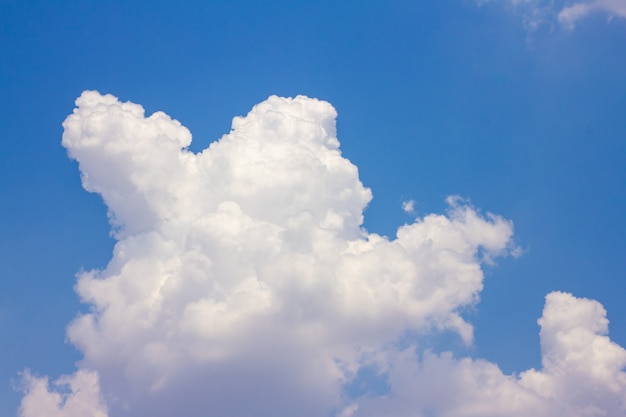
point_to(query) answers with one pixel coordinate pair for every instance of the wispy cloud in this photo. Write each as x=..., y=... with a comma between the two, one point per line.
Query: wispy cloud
x=536, y=13
x=568, y=16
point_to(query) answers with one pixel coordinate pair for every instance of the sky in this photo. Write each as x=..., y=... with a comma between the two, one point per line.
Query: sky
x=316, y=209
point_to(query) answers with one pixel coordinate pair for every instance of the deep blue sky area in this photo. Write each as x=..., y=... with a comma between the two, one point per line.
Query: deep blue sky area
x=434, y=98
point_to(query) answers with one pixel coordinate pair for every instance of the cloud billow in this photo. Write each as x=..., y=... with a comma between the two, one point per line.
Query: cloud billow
x=242, y=283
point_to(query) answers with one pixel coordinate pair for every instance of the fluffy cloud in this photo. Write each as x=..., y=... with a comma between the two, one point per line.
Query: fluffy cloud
x=72, y=395
x=537, y=12
x=243, y=284
x=581, y=375
x=408, y=206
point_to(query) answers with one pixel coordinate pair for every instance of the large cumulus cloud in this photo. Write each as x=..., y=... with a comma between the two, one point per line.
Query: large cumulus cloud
x=242, y=283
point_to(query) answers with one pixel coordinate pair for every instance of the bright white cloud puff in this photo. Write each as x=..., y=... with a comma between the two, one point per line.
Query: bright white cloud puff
x=243, y=284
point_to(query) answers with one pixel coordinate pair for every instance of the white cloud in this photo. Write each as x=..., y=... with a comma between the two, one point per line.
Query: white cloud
x=569, y=15
x=408, y=206
x=534, y=13
x=581, y=376
x=539, y=12
x=243, y=284
x=76, y=395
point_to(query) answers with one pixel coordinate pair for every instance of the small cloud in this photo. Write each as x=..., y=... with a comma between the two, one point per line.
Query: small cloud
x=408, y=206
x=517, y=252
x=348, y=411
x=536, y=13
x=569, y=15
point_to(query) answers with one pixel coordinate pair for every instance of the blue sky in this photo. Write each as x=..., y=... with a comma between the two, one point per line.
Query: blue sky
x=434, y=98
